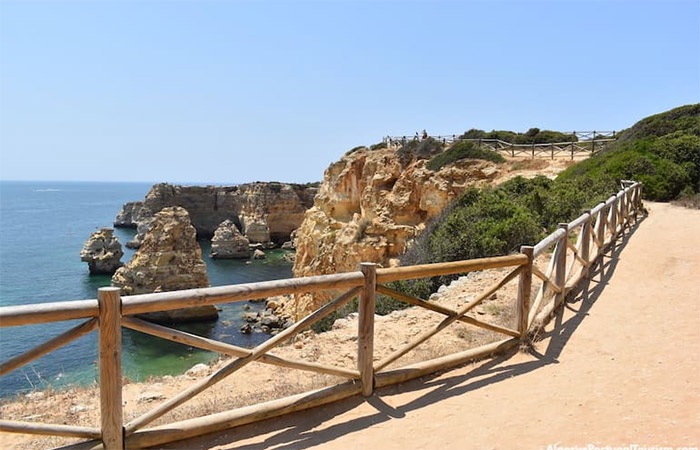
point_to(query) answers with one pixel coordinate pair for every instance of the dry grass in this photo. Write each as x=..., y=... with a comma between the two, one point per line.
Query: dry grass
x=688, y=201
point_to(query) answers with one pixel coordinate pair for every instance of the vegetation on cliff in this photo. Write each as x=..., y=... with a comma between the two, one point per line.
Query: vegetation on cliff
x=531, y=136
x=461, y=150
x=662, y=151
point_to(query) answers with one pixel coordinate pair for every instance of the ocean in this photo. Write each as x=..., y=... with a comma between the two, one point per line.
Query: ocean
x=43, y=226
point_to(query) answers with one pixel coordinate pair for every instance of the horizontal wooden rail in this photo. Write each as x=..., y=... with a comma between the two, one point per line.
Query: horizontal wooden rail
x=547, y=242
x=145, y=303
x=11, y=426
x=228, y=419
x=448, y=268
x=394, y=376
x=12, y=316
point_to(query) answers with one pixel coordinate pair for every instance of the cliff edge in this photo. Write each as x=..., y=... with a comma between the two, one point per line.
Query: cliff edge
x=369, y=207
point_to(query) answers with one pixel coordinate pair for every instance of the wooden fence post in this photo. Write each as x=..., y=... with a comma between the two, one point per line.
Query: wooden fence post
x=640, y=205
x=593, y=144
x=601, y=227
x=586, y=242
x=560, y=272
x=110, y=352
x=524, y=288
x=365, y=329
x=613, y=219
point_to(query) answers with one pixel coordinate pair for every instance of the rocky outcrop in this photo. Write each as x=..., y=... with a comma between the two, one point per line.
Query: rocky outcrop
x=142, y=227
x=370, y=206
x=131, y=214
x=169, y=259
x=264, y=212
x=228, y=242
x=103, y=252
x=270, y=320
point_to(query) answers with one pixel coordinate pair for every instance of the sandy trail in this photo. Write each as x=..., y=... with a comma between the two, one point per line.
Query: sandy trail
x=621, y=367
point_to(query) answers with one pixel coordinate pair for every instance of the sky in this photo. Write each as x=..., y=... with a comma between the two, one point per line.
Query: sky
x=231, y=92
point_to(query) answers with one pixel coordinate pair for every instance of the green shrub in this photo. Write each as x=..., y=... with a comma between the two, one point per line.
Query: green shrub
x=662, y=151
x=355, y=149
x=485, y=224
x=462, y=150
x=532, y=136
x=418, y=149
x=378, y=146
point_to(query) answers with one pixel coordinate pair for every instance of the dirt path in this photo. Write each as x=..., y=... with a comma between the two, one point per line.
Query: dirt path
x=622, y=368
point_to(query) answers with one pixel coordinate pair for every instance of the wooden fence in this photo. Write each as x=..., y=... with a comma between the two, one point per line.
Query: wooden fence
x=570, y=263
x=589, y=142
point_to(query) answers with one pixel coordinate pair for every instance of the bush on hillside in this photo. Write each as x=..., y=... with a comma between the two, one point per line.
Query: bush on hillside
x=684, y=119
x=531, y=136
x=355, y=149
x=378, y=146
x=462, y=150
x=497, y=221
x=418, y=149
x=661, y=151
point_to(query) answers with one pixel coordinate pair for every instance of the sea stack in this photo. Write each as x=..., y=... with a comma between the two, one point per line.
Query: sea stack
x=102, y=251
x=169, y=259
x=228, y=242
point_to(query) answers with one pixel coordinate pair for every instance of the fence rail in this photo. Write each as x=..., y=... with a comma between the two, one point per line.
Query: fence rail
x=588, y=142
x=570, y=263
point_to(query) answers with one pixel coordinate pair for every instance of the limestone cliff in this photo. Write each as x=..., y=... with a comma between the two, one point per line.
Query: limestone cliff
x=370, y=206
x=228, y=242
x=131, y=214
x=102, y=251
x=169, y=259
x=263, y=211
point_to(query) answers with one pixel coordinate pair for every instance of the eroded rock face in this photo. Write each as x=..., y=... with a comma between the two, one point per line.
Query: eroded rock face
x=102, y=251
x=369, y=208
x=264, y=212
x=228, y=242
x=143, y=226
x=169, y=259
x=131, y=214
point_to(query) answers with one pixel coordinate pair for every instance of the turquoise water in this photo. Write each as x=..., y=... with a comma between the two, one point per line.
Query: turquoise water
x=43, y=226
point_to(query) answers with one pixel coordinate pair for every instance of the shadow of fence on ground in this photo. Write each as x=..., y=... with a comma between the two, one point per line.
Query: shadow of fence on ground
x=298, y=431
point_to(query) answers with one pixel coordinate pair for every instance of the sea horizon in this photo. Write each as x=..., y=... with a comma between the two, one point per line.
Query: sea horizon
x=44, y=225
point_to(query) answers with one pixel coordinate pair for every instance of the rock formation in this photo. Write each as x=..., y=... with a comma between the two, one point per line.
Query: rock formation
x=169, y=259
x=142, y=227
x=369, y=207
x=102, y=251
x=131, y=214
x=228, y=242
x=263, y=212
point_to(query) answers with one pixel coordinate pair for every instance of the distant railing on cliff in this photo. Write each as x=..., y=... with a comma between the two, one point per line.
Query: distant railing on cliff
x=570, y=263
x=588, y=143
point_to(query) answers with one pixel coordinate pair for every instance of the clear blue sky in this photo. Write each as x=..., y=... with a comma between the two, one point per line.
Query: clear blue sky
x=237, y=91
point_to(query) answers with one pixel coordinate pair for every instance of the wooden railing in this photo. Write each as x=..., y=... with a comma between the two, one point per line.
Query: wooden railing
x=570, y=263
x=589, y=143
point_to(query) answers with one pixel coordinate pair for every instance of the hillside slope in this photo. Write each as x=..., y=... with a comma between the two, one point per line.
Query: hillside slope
x=662, y=151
